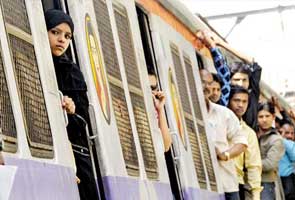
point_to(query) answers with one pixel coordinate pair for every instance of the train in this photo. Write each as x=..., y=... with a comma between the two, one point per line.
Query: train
x=114, y=43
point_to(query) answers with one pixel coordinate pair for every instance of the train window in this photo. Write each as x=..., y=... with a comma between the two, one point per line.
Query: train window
x=116, y=89
x=7, y=122
x=27, y=75
x=136, y=94
x=200, y=123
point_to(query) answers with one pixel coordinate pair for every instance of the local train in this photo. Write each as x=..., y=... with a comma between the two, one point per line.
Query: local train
x=114, y=43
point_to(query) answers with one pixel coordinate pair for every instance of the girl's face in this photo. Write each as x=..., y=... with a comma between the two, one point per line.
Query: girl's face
x=59, y=38
x=265, y=119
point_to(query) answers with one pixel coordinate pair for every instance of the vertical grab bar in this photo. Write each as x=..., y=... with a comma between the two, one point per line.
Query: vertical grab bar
x=61, y=96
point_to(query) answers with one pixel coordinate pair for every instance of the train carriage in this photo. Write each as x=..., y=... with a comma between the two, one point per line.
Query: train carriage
x=114, y=43
x=109, y=49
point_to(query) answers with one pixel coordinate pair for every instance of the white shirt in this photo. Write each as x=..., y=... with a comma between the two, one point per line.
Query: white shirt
x=225, y=131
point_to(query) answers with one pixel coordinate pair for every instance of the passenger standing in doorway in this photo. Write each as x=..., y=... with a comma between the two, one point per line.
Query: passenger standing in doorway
x=271, y=149
x=71, y=83
x=246, y=74
x=159, y=100
x=216, y=89
x=228, y=139
x=223, y=71
x=248, y=163
x=159, y=103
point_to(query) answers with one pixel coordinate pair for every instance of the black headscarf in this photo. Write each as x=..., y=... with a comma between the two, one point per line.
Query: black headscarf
x=55, y=17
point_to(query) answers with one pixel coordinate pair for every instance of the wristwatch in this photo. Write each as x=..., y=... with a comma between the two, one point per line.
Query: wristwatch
x=227, y=155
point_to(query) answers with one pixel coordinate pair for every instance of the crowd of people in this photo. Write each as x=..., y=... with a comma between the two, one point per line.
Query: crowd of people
x=253, y=146
x=246, y=132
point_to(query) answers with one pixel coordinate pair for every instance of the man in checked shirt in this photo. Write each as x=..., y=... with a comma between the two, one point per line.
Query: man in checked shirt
x=246, y=74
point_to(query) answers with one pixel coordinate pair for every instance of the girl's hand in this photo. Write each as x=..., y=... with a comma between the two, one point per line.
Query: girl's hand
x=69, y=105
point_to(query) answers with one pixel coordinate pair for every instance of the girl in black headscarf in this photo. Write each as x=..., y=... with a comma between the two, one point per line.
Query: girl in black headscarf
x=72, y=84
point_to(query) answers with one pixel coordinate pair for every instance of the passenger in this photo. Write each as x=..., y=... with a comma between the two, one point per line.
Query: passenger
x=248, y=163
x=159, y=103
x=285, y=118
x=271, y=149
x=220, y=64
x=246, y=74
x=216, y=89
x=286, y=167
x=227, y=136
x=72, y=84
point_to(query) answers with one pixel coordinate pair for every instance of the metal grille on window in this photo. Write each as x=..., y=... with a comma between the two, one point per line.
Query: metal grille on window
x=136, y=94
x=28, y=79
x=7, y=122
x=14, y=12
x=200, y=123
x=117, y=92
x=181, y=83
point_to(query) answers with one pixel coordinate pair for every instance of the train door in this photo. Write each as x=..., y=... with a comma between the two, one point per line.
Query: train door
x=92, y=131
x=152, y=65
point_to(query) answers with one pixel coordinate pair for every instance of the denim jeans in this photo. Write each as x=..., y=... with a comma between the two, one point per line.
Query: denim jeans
x=232, y=196
x=268, y=192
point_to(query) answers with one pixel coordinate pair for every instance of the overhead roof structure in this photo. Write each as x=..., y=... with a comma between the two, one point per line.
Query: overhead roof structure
x=250, y=12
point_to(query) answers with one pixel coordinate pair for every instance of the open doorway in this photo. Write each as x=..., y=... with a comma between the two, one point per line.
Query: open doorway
x=152, y=67
x=85, y=152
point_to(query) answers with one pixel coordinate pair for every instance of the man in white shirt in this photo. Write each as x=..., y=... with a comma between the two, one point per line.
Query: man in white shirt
x=228, y=139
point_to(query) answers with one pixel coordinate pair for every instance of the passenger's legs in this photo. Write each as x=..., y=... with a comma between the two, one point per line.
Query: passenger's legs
x=87, y=186
x=268, y=192
x=232, y=196
x=289, y=186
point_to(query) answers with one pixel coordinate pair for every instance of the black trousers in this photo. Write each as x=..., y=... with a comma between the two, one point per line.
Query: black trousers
x=289, y=186
x=232, y=196
x=87, y=186
x=245, y=192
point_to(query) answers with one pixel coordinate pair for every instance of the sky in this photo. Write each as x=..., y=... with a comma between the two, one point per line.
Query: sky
x=268, y=37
